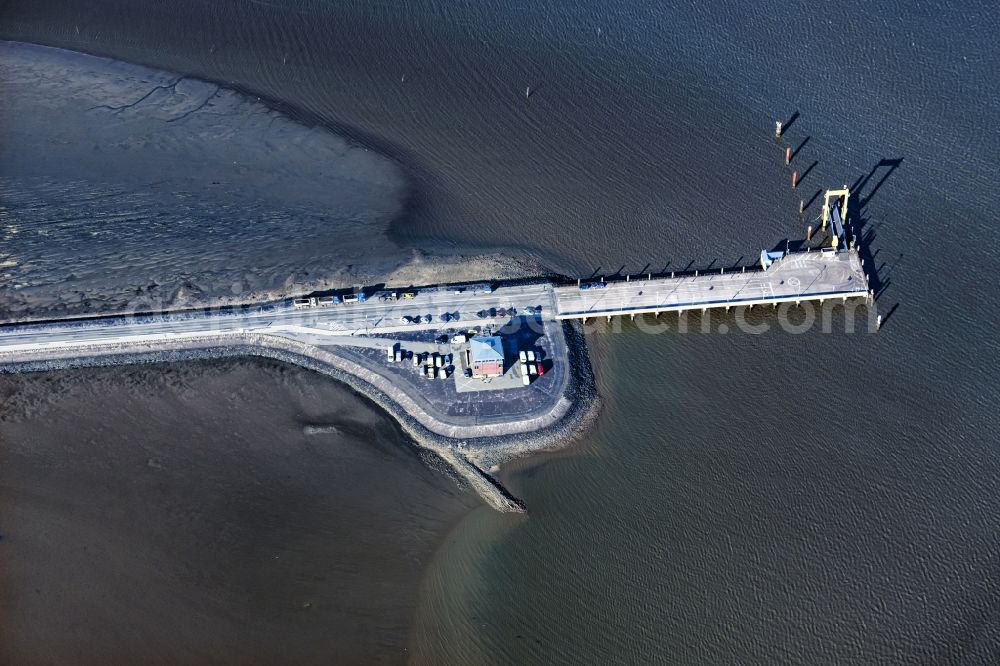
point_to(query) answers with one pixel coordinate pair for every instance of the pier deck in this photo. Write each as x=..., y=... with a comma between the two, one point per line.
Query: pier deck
x=797, y=277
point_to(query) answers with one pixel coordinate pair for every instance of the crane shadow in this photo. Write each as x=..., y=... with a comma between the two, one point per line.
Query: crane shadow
x=864, y=230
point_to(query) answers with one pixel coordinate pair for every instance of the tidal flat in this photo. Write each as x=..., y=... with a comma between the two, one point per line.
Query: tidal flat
x=127, y=188
x=247, y=511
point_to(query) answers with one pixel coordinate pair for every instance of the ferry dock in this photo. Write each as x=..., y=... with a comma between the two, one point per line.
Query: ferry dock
x=834, y=272
x=796, y=277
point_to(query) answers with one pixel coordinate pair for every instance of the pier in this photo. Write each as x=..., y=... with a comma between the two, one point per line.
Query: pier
x=797, y=277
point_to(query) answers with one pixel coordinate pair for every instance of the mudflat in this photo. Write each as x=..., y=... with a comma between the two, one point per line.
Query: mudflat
x=293, y=531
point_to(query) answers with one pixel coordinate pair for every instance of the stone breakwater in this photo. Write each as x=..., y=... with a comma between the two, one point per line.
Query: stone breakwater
x=470, y=450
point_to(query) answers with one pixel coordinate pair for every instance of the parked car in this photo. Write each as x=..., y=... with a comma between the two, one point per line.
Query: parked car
x=444, y=316
x=455, y=316
x=468, y=372
x=482, y=314
x=404, y=319
x=428, y=319
x=501, y=312
x=541, y=371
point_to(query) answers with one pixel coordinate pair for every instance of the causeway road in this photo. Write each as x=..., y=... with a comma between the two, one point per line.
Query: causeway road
x=372, y=317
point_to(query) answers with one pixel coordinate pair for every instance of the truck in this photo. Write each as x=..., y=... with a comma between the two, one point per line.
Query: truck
x=300, y=302
x=391, y=353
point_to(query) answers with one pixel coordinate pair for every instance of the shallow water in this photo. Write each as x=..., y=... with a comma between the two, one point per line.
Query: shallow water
x=182, y=514
x=782, y=498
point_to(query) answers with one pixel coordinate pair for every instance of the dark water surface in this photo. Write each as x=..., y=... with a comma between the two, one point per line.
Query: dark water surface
x=777, y=498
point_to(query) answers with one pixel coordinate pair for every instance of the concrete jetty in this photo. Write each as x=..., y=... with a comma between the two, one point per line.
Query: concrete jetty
x=791, y=278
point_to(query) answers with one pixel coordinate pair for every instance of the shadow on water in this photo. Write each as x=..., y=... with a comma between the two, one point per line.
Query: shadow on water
x=812, y=199
x=865, y=231
x=888, y=314
x=788, y=123
x=862, y=182
x=800, y=147
x=805, y=173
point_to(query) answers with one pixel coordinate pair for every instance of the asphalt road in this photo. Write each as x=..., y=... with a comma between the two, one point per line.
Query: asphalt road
x=371, y=317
